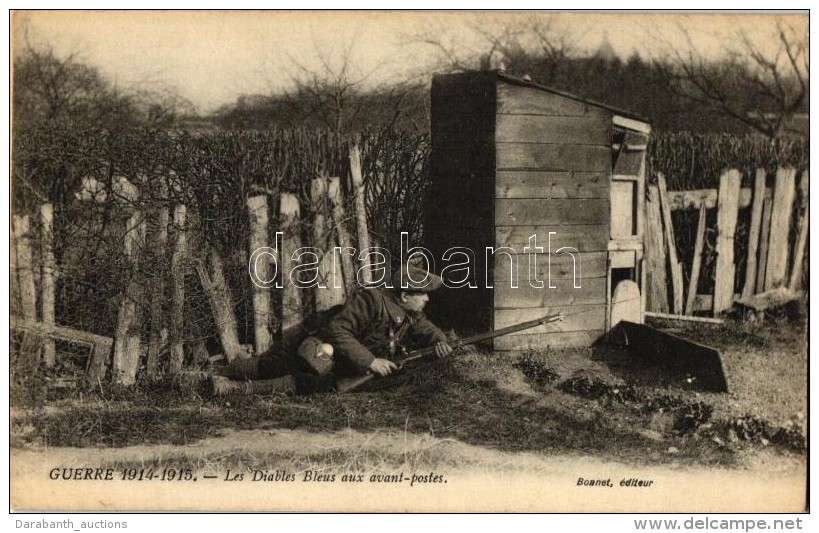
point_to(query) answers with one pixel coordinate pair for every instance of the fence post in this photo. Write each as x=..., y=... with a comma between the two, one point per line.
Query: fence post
x=753, y=233
x=127, y=341
x=259, y=222
x=178, y=258
x=29, y=354
x=727, y=209
x=47, y=276
x=360, y=214
x=777, y=269
x=347, y=259
x=159, y=332
x=289, y=210
x=655, y=254
x=802, y=239
x=329, y=290
x=25, y=267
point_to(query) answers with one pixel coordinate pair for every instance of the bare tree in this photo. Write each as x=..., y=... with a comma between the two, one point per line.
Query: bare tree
x=330, y=93
x=161, y=106
x=51, y=89
x=481, y=45
x=536, y=45
x=762, y=87
x=335, y=94
x=557, y=45
x=57, y=101
x=48, y=88
x=64, y=109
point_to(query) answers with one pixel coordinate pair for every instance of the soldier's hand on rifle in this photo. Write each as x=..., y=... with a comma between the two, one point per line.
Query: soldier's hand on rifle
x=442, y=349
x=382, y=367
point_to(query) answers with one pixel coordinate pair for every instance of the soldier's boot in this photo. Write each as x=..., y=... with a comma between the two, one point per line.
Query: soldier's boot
x=282, y=385
x=223, y=386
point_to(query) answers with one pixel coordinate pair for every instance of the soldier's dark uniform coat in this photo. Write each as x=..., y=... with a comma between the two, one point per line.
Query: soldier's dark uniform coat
x=372, y=324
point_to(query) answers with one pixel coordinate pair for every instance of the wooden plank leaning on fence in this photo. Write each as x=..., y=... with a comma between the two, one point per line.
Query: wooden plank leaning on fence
x=212, y=278
x=178, y=265
x=802, y=239
x=289, y=213
x=696, y=262
x=765, y=232
x=674, y=263
x=727, y=210
x=655, y=254
x=259, y=238
x=753, y=233
x=329, y=291
x=777, y=270
x=360, y=214
x=127, y=342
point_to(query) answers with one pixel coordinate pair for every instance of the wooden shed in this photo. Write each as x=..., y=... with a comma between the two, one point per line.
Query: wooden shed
x=553, y=185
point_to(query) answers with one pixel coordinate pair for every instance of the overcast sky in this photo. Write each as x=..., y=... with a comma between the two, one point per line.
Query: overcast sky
x=213, y=57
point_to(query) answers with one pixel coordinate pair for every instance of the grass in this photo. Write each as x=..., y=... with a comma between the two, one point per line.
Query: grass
x=550, y=402
x=766, y=365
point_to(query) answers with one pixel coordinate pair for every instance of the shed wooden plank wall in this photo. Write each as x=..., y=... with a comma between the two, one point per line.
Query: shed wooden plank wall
x=460, y=208
x=553, y=163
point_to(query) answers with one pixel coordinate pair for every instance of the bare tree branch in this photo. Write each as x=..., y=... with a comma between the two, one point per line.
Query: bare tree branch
x=762, y=88
x=535, y=45
x=336, y=94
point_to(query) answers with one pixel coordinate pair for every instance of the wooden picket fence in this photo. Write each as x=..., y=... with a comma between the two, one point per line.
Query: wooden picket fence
x=323, y=221
x=774, y=261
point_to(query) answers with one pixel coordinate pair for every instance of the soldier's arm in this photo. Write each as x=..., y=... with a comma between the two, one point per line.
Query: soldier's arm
x=346, y=327
x=425, y=333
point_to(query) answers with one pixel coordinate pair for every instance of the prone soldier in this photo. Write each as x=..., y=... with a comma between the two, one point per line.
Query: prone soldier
x=361, y=337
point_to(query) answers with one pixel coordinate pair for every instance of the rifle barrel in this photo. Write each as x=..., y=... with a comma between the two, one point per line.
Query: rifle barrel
x=509, y=329
x=350, y=384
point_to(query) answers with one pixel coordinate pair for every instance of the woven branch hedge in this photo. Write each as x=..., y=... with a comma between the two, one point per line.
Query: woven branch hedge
x=86, y=176
x=696, y=161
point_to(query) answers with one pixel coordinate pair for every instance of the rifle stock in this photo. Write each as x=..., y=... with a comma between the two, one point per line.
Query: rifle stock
x=350, y=384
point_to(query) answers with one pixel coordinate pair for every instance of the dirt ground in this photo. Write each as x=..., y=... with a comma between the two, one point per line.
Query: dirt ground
x=497, y=431
x=474, y=478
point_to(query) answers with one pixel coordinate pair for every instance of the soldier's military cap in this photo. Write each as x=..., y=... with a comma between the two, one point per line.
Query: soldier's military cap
x=414, y=279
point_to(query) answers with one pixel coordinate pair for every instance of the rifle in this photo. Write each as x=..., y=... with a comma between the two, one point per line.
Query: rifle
x=352, y=383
